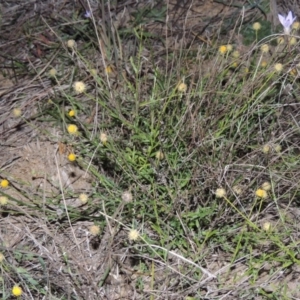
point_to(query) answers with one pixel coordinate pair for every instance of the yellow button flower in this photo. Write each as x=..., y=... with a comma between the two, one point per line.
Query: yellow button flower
x=133, y=235
x=256, y=26
x=260, y=193
x=94, y=230
x=83, y=198
x=222, y=49
x=103, y=138
x=278, y=67
x=159, y=155
x=266, y=186
x=4, y=183
x=17, y=112
x=182, y=87
x=79, y=87
x=220, y=193
x=3, y=200
x=71, y=113
x=267, y=226
x=264, y=48
x=71, y=157
x=72, y=129
x=71, y=43
x=16, y=291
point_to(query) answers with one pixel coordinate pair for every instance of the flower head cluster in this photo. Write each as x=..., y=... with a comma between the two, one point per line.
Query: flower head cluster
x=93, y=72
x=277, y=148
x=83, y=198
x=270, y=147
x=133, y=235
x=229, y=47
x=264, y=48
x=71, y=157
x=292, y=41
x=238, y=189
x=296, y=25
x=4, y=183
x=263, y=63
x=266, y=148
x=266, y=186
x=52, y=72
x=103, y=138
x=278, y=67
x=79, y=87
x=72, y=129
x=127, y=197
x=71, y=44
x=159, y=155
x=280, y=40
x=260, y=193
x=223, y=49
x=182, y=87
x=267, y=226
x=256, y=26
x=16, y=291
x=220, y=193
x=293, y=72
x=287, y=22
x=17, y=112
x=71, y=113
x=108, y=70
x=236, y=54
x=94, y=230
x=3, y=200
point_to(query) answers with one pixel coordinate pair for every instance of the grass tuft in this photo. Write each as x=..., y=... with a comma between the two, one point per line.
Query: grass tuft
x=148, y=168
